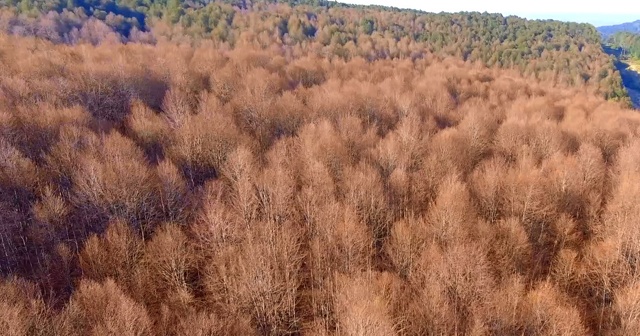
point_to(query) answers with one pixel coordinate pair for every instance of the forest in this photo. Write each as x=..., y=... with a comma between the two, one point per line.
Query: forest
x=369, y=178
x=568, y=53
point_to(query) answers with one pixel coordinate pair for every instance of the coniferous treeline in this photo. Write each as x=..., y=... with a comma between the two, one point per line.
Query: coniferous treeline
x=570, y=53
x=175, y=189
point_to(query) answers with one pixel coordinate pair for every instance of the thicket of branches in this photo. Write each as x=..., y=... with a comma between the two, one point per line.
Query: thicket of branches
x=180, y=190
x=568, y=53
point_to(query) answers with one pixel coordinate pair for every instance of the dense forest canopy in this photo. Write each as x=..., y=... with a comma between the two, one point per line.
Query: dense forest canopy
x=173, y=189
x=568, y=53
x=311, y=168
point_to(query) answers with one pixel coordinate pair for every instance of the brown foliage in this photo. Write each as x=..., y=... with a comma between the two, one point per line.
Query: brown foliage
x=260, y=277
x=115, y=182
x=195, y=190
x=201, y=145
x=22, y=310
x=361, y=308
x=103, y=309
x=115, y=255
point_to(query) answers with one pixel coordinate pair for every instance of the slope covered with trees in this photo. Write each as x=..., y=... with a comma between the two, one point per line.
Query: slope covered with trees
x=567, y=53
x=309, y=168
x=173, y=189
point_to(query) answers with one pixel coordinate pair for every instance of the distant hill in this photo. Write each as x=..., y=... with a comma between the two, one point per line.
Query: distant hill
x=563, y=52
x=631, y=27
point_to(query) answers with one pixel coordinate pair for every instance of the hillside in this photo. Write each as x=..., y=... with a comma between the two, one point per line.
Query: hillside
x=565, y=53
x=312, y=169
x=181, y=190
x=629, y=27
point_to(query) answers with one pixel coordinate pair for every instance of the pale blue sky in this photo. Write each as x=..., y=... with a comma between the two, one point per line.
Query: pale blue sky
x=597, y=12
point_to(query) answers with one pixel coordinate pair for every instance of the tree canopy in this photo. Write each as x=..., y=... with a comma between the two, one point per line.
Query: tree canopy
x=567, y=52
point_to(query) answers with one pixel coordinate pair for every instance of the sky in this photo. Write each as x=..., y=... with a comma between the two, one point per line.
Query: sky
x=598, y=13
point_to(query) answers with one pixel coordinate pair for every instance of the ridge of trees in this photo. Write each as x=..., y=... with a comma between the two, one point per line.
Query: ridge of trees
x=569, y=52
